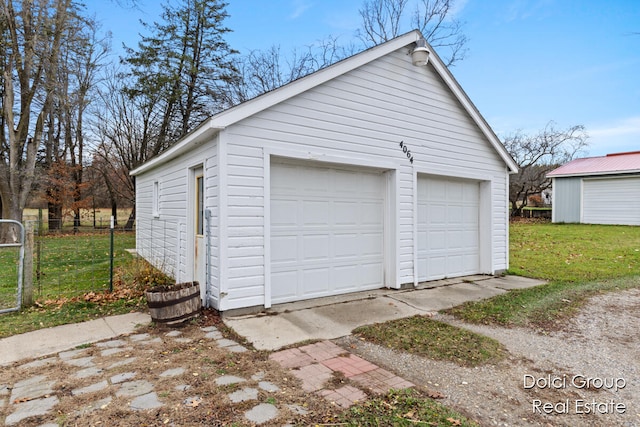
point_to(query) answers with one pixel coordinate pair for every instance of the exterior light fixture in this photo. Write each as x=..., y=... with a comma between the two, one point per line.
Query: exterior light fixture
x=420, y=53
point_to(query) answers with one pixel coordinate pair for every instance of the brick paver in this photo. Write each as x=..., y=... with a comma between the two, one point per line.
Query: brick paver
x=292, y=358
x=313, y=376
x=323, y=350
x=344, y=396
x=350, y=366
x=314, y=365
x=380, y=381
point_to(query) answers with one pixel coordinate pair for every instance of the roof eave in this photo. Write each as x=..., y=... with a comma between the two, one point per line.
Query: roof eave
x=195, y=138
x=582, y=174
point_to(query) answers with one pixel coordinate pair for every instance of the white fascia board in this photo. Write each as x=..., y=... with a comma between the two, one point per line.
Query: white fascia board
x=195, y=138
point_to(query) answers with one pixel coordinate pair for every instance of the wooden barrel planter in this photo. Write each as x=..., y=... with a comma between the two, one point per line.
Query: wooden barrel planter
x=175, y=303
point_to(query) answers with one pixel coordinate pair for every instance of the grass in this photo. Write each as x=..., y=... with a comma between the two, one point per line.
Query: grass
x=434, y=340
x=34, y=318
x=578, y=260
x=403, y=408
x=66, y=265
x=73, y=263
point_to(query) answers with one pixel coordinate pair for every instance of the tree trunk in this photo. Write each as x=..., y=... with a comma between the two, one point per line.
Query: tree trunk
x=114, y=211
x=132, y=218
x=54, y=216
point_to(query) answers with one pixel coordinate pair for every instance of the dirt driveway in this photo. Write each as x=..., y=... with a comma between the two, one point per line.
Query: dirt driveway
x=585, y=375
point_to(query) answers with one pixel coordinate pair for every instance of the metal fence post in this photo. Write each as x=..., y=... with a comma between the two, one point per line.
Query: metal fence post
x=111, y=255
x=27, y=293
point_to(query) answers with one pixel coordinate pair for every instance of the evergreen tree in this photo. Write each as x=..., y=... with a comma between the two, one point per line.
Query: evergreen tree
x=177, y=67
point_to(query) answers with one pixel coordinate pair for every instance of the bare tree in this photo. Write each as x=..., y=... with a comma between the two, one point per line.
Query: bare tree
x=536, y=155
x=262, y=71
x=32, y=33
x=383, y=20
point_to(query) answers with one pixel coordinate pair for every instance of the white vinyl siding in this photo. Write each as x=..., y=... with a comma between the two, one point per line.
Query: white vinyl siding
x=611, y=201
x=163, y=239
x=360, y=117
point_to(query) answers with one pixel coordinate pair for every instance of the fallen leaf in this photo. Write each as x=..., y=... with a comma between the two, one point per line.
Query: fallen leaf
x=435, y=395
x=454, y=422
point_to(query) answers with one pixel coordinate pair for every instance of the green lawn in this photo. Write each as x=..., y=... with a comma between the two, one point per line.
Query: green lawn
x=578, y=260
x=74, y=264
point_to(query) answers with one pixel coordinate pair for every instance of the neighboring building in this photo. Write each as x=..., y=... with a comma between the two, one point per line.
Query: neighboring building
x=598, y=190
x=377, y=171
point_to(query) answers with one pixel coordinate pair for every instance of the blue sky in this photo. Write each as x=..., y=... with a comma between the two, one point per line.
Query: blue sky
x=529, y=61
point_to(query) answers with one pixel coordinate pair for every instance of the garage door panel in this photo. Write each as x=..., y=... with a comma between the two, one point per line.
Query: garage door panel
x=315, y=247
x=448, y=228
x=281, y=284
x=611, y=201
x=345, y=245
x=316, y=281
x=284, y=212
x=346, y=213
x=284, y=248
x=340, y=232
x=347, y=277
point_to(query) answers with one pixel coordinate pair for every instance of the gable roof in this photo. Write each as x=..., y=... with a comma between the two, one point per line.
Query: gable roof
x=610, y=164
x=220, y=121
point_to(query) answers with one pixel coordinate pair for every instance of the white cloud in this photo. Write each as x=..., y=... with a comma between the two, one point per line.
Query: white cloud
x=299, y=8
x=617, y=136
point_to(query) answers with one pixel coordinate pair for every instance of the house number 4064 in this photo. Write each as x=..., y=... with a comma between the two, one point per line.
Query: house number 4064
x=406, y=151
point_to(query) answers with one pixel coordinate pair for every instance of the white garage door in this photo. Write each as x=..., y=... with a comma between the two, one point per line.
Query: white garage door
x=611, y=201
x=448, y=228
x=327, y=228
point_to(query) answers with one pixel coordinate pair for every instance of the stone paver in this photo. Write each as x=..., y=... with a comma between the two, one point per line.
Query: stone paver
x=146, y=401
x=172, y=372
x=243, y=395
x=90, y=388
x=88, y=372
x=39, y=363
x=135, y=388
x=112, y=343
x=32, y=408
x=120, y=378
x=32, y=388
x=71, y=354
x=82, y=362
x=111, y=351
x=313, y=364
x=229, y=379
x=268, y=386
x=261, y=413
x=122, y=362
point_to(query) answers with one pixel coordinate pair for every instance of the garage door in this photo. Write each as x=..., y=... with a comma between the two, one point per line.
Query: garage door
x=327, y=228
x=611, y=201
x=448, y=228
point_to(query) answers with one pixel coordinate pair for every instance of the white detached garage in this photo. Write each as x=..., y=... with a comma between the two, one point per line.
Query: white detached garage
x=373, y=172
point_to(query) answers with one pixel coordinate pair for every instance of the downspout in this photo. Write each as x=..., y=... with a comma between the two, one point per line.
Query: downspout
x=207, y=262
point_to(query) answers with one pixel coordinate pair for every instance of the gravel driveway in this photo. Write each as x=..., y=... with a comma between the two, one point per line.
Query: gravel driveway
x=586, y=375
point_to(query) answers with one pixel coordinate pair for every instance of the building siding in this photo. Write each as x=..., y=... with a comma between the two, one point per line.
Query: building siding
x=567, y=199
x=360, y=117
x=164, y=239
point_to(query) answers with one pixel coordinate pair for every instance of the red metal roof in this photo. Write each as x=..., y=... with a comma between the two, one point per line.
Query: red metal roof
x=603, y=165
